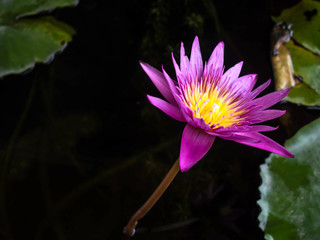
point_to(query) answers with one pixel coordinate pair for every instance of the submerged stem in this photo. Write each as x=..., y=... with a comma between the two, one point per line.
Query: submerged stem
x=129, y=230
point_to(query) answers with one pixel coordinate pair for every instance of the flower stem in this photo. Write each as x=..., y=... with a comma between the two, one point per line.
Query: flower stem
x=129, y=230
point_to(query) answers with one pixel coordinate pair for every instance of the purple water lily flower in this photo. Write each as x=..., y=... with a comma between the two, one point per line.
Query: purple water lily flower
x=214, y=104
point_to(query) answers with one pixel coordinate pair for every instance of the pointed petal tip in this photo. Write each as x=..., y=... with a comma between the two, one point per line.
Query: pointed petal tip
x=143, y=64
x=269, y=81
x=176, y=66
x=285, y=92
x=149, y=97
x=196, y=63
x=287, y=154
x=159, y=81
x=167, y=77
x=254, y=76
x=146, y=67
x=265, y=143
x=169, y=109
x=290, y=155
x=182, y=48
x=221, y=44
x=162, y=68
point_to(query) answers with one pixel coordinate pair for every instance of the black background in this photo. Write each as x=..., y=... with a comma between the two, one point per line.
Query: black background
x=90, y=148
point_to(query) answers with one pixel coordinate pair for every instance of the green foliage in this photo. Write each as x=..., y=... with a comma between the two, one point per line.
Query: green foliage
x=290, y=190
x=306, y=65
x=303, y=94
x=25, y=42
x=305, y=20
x=12, y=9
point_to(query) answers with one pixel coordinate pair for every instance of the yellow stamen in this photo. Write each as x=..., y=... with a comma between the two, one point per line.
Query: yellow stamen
x=213, y=104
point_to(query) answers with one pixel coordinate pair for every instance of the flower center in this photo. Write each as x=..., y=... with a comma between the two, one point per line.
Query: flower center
x=213, y=103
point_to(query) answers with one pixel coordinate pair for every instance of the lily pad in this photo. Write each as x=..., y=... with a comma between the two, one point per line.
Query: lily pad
x=306, y=64
x=25, y=42
x=290, y=189
x=304, y=50
x=303, y=94
x=13, y=9
x=305, y=20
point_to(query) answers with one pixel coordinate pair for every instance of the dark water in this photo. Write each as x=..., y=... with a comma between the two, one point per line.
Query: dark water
x=90, y=148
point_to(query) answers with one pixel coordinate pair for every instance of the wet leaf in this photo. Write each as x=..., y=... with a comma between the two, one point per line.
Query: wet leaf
x=305, y=20
x=306, y=65
x=302, y=94
x=25, y=42
x=11, y=10
x=290, y=190
x=304, y=50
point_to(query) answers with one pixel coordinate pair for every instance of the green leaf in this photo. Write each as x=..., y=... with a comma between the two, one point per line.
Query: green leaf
x=307, y=65
x=305, y=19
x=25, y=42
x=290, y=189
x=302, y=94
x=10, y=10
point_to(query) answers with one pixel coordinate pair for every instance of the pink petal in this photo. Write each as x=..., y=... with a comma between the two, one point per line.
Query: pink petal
x=159, y=81
x=167, y=108
x=259, y=89
x=196, y=63
x=188, y=115
x=264, y=143
x=232, y=74
x=199, y=122
x=245, y=83
x=184, y=62
x=270, y=99
x=237, y=137
x=182, y=55
x=261, y=128
x=216, y=59
x=236, y=129
x=194, y=145
x=172, y=85
x=266, y=115
x=176, y=66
